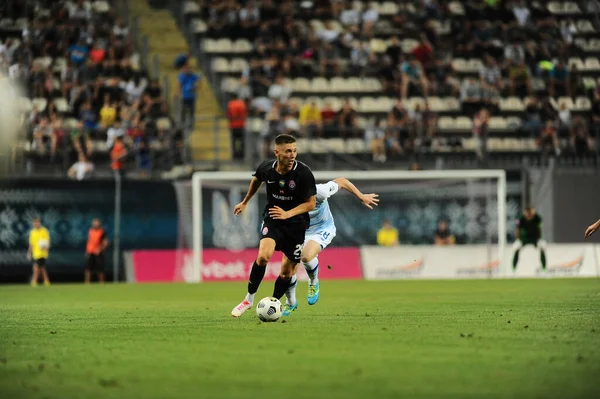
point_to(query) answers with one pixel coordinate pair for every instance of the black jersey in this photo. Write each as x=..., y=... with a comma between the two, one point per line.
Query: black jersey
x=530, y=229
x=287, y=191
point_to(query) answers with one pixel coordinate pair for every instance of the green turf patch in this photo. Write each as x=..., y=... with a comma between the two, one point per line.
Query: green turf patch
x=374, y=340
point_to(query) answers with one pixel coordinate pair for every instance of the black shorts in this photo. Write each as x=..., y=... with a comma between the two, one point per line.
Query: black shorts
x=289, y=238
x=41, y=262
x=530, y=241
x=95, y=263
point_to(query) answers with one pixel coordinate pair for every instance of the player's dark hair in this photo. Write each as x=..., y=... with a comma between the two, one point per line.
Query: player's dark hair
x=284, y=139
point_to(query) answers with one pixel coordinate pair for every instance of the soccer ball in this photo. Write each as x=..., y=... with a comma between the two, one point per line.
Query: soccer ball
x=269, y=309
x=43, y=244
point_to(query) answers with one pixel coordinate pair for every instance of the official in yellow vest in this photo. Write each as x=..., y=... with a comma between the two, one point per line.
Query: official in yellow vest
x=39, y=247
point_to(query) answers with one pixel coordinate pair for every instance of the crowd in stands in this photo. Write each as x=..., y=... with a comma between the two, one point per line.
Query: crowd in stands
x=523, y=52
x=75, y=62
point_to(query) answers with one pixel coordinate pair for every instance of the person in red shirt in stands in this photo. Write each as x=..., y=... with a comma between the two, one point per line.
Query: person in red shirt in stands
x=118, y=153
x=328, y=119
x=237, y=113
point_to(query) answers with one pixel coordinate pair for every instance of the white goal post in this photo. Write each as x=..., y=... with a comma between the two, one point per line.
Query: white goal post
x=465, y=175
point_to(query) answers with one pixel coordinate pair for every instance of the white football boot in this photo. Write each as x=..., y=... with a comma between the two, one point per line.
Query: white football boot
x=240, y=309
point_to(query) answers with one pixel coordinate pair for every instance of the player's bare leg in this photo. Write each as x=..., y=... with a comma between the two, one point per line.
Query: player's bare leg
x=36, y=276
x=101, y=277
x=283, y=283
x=265, y=251
x=87, y=276
x=45, y=276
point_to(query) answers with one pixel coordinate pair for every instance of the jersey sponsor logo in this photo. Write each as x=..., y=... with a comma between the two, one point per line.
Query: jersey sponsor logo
x=281, y=183
x=292, y=184
x=282, y=197
x=265, y=231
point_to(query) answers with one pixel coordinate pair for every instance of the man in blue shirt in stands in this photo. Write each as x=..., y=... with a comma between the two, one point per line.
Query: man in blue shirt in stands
x=188, y=86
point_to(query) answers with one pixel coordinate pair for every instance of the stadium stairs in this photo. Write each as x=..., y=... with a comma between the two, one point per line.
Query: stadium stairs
x=166, y=41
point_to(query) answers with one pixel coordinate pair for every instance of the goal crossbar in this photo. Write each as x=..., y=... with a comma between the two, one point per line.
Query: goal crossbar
x=498, y=174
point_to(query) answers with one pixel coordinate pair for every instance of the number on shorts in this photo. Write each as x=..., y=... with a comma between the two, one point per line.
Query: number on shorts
x=325, y=235
x=298, y=250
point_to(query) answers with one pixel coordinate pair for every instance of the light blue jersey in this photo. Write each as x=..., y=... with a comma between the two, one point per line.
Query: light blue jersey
x=322, y=226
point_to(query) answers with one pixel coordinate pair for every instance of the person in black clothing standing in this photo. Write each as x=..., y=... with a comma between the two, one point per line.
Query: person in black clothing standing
x=529, y=232
x=291, y=194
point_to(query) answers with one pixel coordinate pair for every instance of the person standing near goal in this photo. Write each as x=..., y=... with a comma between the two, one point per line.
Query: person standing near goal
x=529, y=232
x=319, y=235
x=39, y=247
x=291, y=194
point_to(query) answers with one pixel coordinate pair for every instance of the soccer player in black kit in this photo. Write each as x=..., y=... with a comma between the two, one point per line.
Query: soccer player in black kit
x=291, y=194
x=529, y=231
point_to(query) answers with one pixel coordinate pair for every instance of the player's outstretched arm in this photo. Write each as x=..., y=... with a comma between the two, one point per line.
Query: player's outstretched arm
x=592, y=228
x=252, y=189
x=369, y=200
x=305, y=207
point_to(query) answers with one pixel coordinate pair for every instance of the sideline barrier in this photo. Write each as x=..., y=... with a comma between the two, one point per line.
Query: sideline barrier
x=477, y=261
x=222, y=265
x=372, y=263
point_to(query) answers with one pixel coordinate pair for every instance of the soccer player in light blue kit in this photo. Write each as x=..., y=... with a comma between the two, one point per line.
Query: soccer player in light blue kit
x=319, y=235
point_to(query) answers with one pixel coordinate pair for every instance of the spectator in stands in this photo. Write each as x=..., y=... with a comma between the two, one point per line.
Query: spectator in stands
x=394, y=51
x=424, y=123
x=347, y=120
x=387, y=236
x=118, y=155
x=189, y=84
x=480, y=132
x=423, y=53
x=43, y=136
x=580, y=140
x=310, y=120
x=154, y=104
x=82, y=169
x=279, y=90
x=108, y=112
x=490, y=75
x=375, y=141
x=398, y=118
x=394, y=140
x=388, y=77
x=413, y=77
x=81, y=139
x=237, y=114
x=564, y=119
x=143, y=155
x=329, y=59
x=116, y=130
x=560, y=83
x=470, y=96
x=359, y=57
x=520, y=79
x=328, y=117
x=442, y=236
x=78, y=53
x=548, y=140
x=596, y=118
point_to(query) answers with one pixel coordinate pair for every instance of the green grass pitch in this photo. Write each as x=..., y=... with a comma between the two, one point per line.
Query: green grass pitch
x=373, y=340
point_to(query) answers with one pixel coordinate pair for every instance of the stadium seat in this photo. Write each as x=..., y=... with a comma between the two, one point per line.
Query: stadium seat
x=367, y=105
x=463, y=122
x=445, y=123
x=199, y=26
x=498, y=123
x=238, y=65
x=242, y=46
x=592, y=64
x=190, y=7
x=319, y=85
x=356, y=146
x=370, y=85
x=334, y=102
x=301, y=85
x=61, y=105
x=220, y=65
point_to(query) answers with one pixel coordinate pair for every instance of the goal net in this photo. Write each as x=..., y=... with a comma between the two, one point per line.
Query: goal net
x=214, y=244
